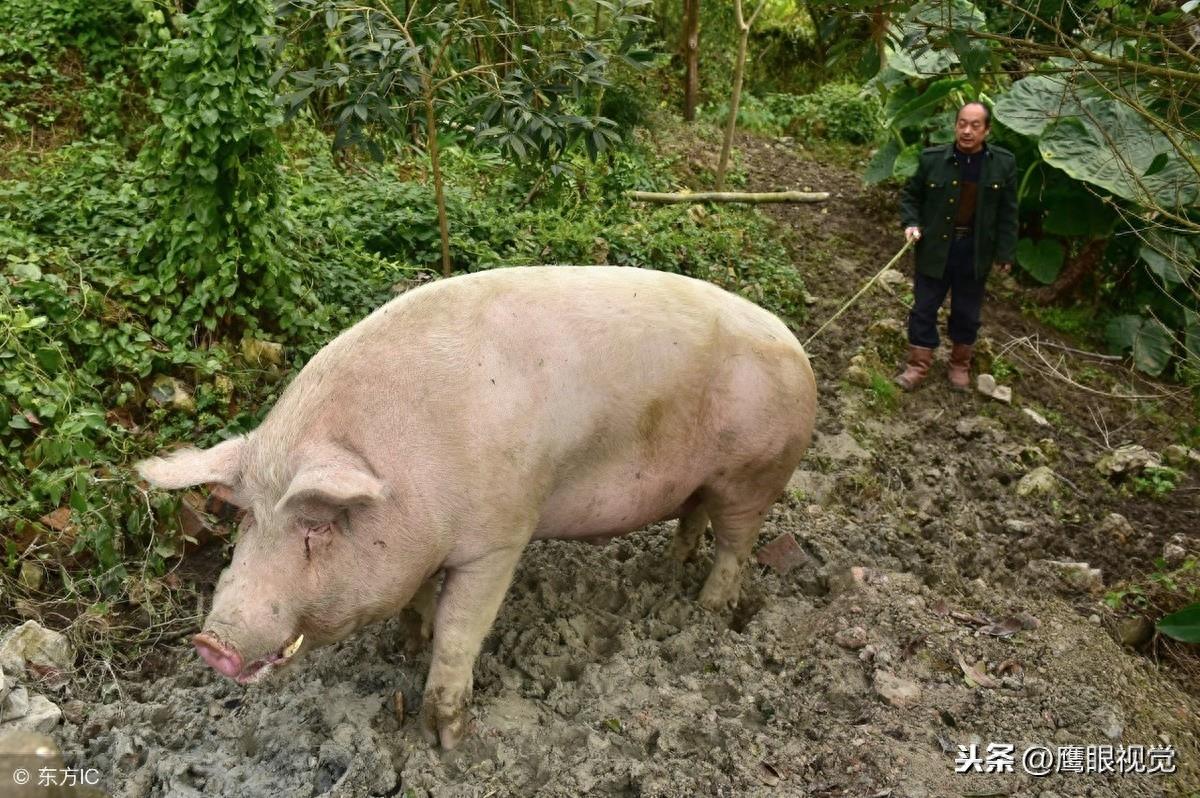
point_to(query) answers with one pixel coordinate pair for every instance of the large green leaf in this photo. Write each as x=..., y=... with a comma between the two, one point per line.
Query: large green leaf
x=1183, y=625
x=907, y=161
x=880, y=167
x=1170, y=257
x=1042, y=259
x=1191, y=337
x=1073, y=211
x=1097, y=139
x=1149, y=339
x=921, y=107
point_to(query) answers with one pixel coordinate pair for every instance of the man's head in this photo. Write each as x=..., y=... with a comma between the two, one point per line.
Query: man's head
x=971, y=126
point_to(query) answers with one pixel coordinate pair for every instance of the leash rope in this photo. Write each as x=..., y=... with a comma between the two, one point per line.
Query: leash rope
x=861, y=291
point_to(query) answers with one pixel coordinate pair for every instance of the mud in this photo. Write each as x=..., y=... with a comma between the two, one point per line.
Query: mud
x=850, y=675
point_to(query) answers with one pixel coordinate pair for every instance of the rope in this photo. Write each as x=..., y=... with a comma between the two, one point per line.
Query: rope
x=861, y=291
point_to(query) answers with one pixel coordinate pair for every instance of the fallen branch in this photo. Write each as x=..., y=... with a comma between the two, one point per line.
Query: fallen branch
x=730, y=196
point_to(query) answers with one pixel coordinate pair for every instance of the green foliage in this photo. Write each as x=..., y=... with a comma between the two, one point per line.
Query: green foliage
x=62, y=62
x=1183, y=625
x=208, y=255
x=1156, y=481
x=838, y=112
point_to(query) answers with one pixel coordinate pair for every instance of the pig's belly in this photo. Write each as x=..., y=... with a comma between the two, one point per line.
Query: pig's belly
x=614, y=502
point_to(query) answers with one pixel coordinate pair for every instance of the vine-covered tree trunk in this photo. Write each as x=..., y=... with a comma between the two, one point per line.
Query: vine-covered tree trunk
x=691, y=56
x=1074, y=272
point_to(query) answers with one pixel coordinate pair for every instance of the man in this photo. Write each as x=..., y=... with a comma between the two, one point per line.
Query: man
x=961, y=208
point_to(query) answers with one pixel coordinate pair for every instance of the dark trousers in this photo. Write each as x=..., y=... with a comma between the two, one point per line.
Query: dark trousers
x=966, y=299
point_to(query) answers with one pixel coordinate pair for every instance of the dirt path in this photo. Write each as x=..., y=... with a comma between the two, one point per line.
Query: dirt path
x=844, y=677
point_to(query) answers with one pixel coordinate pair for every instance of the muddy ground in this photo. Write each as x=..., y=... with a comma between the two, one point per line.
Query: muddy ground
x=846, y=676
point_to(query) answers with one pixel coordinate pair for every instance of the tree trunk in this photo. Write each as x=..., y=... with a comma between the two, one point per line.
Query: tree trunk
x=691, y=56
x=1074, y=273
x=436, y=164
x=730, y=196
x=735, y=97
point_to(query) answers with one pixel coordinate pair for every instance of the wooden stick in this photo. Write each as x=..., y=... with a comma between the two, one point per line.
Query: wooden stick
x=731, y=196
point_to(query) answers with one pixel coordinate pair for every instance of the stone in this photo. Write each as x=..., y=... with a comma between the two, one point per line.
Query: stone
x=1128, y=459
x=986, y=384
x=1040, y=480
x=782, y=554
x=853, y=638
x=42, y=716
x=1173, y=554
x=15, y=706
x=857, y=375
x=979, y=426
x=1003, y=394
x=898, y=692
x=31, y=646
x=172, y=393
x=1077, y=576
x=32, y=575
x=1176, y=456
x=1116, y=527
x=261, y=354
x=1135, y=632
x=1037, y=417
x=1108, y=721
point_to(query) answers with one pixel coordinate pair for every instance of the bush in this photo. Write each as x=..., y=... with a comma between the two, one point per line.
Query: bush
x=835, y=112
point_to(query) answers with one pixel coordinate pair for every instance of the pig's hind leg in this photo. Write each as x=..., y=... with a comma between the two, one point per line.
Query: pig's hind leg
x=737, y=508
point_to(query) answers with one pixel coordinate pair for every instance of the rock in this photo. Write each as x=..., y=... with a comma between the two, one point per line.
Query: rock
x=1134, y=632
x=978, y=426
x=1020, y=527
x=261, y=354
x=1128, y=459
x=45, y=652
x=1116, y=527
x=5, y=688
x=986, y=384
x=1003, y=394
x=1037, y=417
x=1040, y=480
x=15, y=706
x=1076, y=575
x=894, y=279
x=857, y=375
x=782, y=554
x=1176, y=456
x=1109, y=722
x=32, y=575
x=1173, y=554
x=172, y=393
x=848, y=581
x=886, y=328
x=898, y=692
x=42, y=716
x=853, y=638
x=815, y=487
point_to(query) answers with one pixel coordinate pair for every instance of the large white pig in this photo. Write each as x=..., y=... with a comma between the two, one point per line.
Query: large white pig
x=471, y=415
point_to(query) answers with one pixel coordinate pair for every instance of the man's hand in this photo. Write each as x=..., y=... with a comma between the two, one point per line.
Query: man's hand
x=912, y=233
x=1004, y=268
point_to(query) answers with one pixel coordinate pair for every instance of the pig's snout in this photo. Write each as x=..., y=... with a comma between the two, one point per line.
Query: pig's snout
x=222, y=658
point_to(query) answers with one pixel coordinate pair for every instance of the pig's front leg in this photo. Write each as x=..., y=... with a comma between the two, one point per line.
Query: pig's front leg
x=470, y=598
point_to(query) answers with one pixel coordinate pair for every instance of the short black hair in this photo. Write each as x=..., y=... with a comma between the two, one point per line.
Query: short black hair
x=987, y=112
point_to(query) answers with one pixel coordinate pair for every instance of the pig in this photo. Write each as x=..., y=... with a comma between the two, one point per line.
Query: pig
x=469, y=416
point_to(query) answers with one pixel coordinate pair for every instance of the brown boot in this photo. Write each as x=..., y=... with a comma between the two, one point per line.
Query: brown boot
x=959, y=368
x=919, y=361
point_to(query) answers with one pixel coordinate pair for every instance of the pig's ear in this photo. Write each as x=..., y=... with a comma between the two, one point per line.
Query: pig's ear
x=222, y=464
x=326, y=489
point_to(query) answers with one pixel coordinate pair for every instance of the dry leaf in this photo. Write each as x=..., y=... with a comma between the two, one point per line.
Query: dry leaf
x=975, y=673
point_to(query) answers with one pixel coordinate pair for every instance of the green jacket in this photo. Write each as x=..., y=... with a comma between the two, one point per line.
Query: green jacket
x=928, y=202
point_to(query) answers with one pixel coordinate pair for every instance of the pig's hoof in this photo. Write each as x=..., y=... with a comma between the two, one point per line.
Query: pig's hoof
x=444, y=723
x=716, y=599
